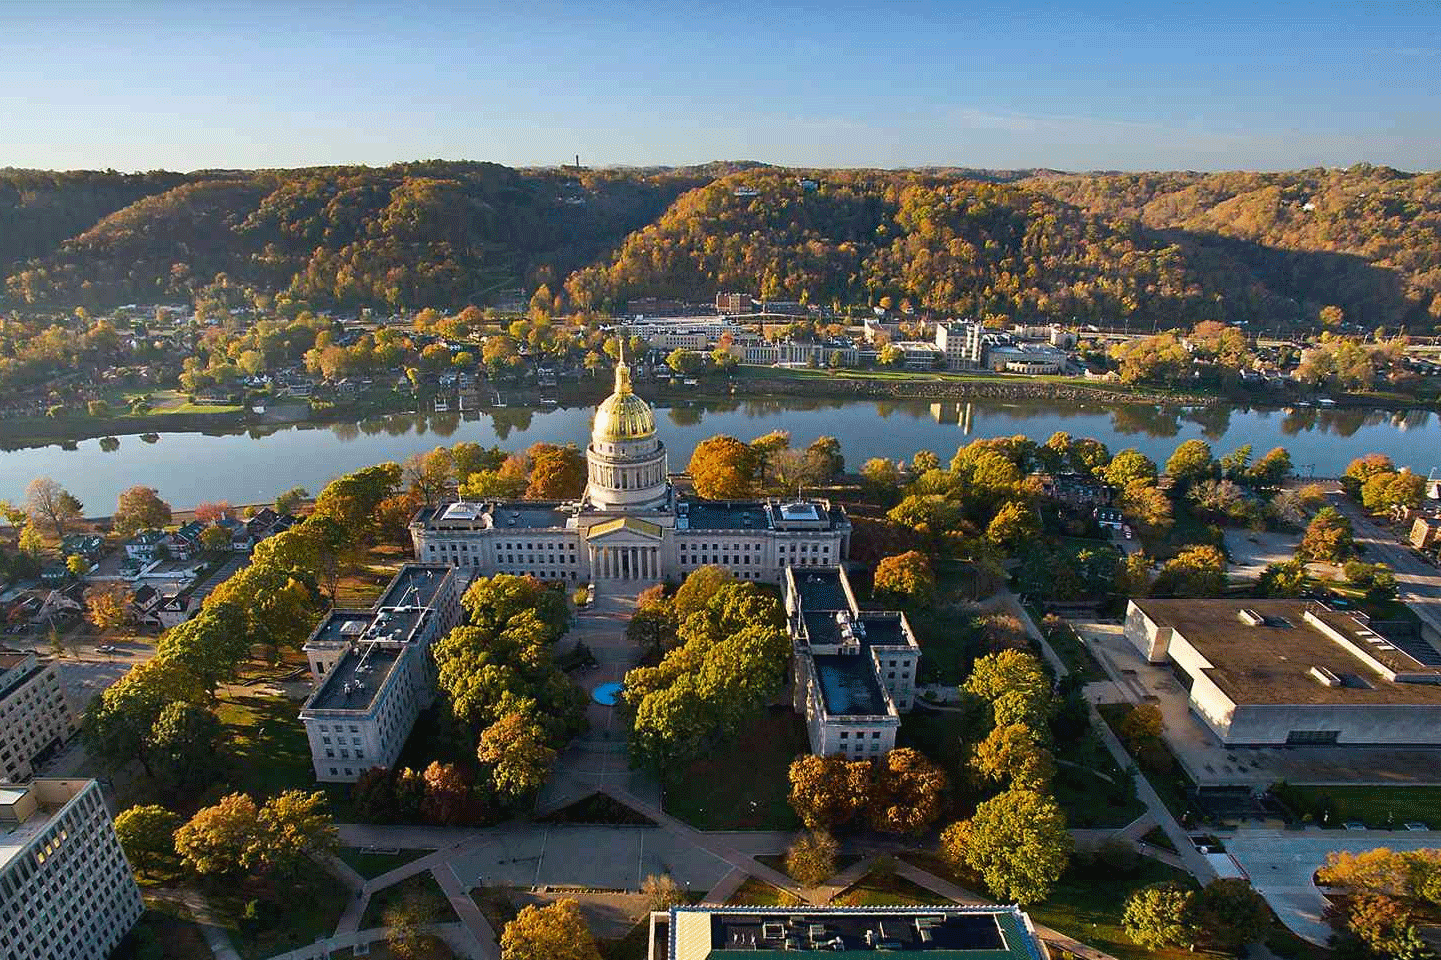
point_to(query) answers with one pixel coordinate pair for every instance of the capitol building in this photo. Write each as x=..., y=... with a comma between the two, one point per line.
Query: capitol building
x=630, y=526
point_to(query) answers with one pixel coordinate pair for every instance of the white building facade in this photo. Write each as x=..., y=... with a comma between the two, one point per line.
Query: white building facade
x=630, y=525
x=854, y=670
x=35, y=713
x=374, y=672
x=66, y=890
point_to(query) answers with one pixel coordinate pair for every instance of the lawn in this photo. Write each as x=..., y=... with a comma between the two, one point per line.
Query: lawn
x=265, y=744
x=1087, y=905
x=422, y=886
x=371, y=865
x=883, y=889
x=949, y=643
x=1072, y=651
x=758, y=893
x=1092, y=789
x=1377, y=807
x=633, y=946
x=277, y=926
x=1163, y=771
x=742, y=783
x=159, y=936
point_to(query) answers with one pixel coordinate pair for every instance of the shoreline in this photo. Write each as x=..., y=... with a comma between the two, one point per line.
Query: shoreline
x=749, y=384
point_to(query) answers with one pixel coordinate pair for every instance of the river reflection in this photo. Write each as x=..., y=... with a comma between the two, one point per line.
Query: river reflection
x=253, y=464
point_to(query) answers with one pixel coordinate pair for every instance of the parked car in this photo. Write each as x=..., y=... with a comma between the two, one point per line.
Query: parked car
x=1355, y=825
x=1416, y=825
x=106, y=648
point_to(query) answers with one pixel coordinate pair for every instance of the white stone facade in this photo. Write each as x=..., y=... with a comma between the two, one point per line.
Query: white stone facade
x=66, y=890
x=35, y=713
x=854, y=670
x=374, y=672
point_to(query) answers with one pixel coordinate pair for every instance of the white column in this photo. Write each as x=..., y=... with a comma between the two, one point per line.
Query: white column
x=591, y=553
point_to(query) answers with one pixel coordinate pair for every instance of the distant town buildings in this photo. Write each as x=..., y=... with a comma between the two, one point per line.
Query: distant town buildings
x=36, y=715
x=934, y=932
x=854, y=670
x=1293, y=672
x=374, y=672
x=66, y=889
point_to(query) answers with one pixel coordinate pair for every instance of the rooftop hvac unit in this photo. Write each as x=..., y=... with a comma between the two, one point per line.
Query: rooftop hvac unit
x=1324, y=677
x=1251, y=618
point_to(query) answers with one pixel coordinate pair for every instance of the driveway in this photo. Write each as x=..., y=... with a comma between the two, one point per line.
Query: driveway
x=1281, y=863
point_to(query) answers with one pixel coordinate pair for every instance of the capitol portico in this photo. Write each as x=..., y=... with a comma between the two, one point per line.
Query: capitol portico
x=630, y=524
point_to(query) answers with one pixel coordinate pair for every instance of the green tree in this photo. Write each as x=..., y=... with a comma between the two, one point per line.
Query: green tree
x=147, y=835
x=1013, y=682
x=881, y=478
x=428, y=474
x=293, y=826
x=139, y=508
x=556, y=931
x=1191, y=463
x=1013, y=525
x=1230, y=913
x=184, y=741
x=1197, y=571
x=291, y=500
x=1129, y=466
x=1160, y=916
x=907, y=575
x=215, y=539
x=352, y=500
x=1285, y=578
x=1017, y=841
x=695, y=592
x=687, y=363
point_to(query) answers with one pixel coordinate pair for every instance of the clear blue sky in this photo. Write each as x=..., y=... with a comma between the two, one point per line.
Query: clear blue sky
x=1106, y=85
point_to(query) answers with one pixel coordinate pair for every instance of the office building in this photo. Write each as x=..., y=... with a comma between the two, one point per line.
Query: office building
x=35, y=713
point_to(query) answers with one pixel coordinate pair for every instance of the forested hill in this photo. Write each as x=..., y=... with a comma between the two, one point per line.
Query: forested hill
x=433, y=233
x=1164, y=248
x=1318, y=234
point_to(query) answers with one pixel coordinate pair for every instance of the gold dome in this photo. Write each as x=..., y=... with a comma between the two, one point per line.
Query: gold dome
x=623, y=416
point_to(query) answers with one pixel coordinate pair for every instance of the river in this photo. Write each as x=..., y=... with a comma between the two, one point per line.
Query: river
x=251, y=467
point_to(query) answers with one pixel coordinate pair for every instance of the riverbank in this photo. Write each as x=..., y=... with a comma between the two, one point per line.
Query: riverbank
x=747, y=383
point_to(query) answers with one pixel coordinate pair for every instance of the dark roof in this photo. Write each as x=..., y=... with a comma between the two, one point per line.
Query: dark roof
x=820, y=588
x=849, y=685
x=415, y=585
x=356, y=679
x=724, y=514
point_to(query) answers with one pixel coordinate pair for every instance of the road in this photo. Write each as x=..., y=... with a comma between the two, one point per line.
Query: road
x=1418, y=582
x=1281, y=864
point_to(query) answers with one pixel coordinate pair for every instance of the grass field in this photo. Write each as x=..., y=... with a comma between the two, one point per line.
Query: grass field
x=882, y=889
x=1377, y=807
x=758, y=893
x=371, y=865
x=421, y=886
x=1161, y=768
x=277, y=927
x=743, y=782
x=265, y=743
x=1088, y=901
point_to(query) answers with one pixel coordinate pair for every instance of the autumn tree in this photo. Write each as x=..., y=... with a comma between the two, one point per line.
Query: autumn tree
x=1017, y=841
x=556, y=473
x=1285, y=578
x=514, y=747
x=139, y=508
x=291, y=500
x=1013, y=525
x=811, y=859
x=1197, y=571
x=107, y=606
x=213, y=510
x=1146, y=506
x=1363, y=468
x=723, y=468
x=1012, y=753
x=695, y=593
x=881, y=478
x=223, y=838
x=907, y=575
x=1328, y=537
x=556, y=931
x=1128, y=467
x=906, y=792
x=1015, y=686
x=47, y=502
x=661, y=892
x=828, y=791
x=428, y=475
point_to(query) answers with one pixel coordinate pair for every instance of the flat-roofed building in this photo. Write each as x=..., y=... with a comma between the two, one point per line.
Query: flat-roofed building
x=1267, y=672
x=630, y=524
x=854, y=670
x=374, y=672
x=66, y=890
x=1426, y=532
x=962, y=343
x=937, y=932
x=36, y=715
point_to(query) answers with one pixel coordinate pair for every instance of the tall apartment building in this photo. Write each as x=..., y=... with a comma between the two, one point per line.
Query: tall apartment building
x=66, y=889
x=35, y=713
x=374, y=672
x=962, y=343
x=855, y=670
